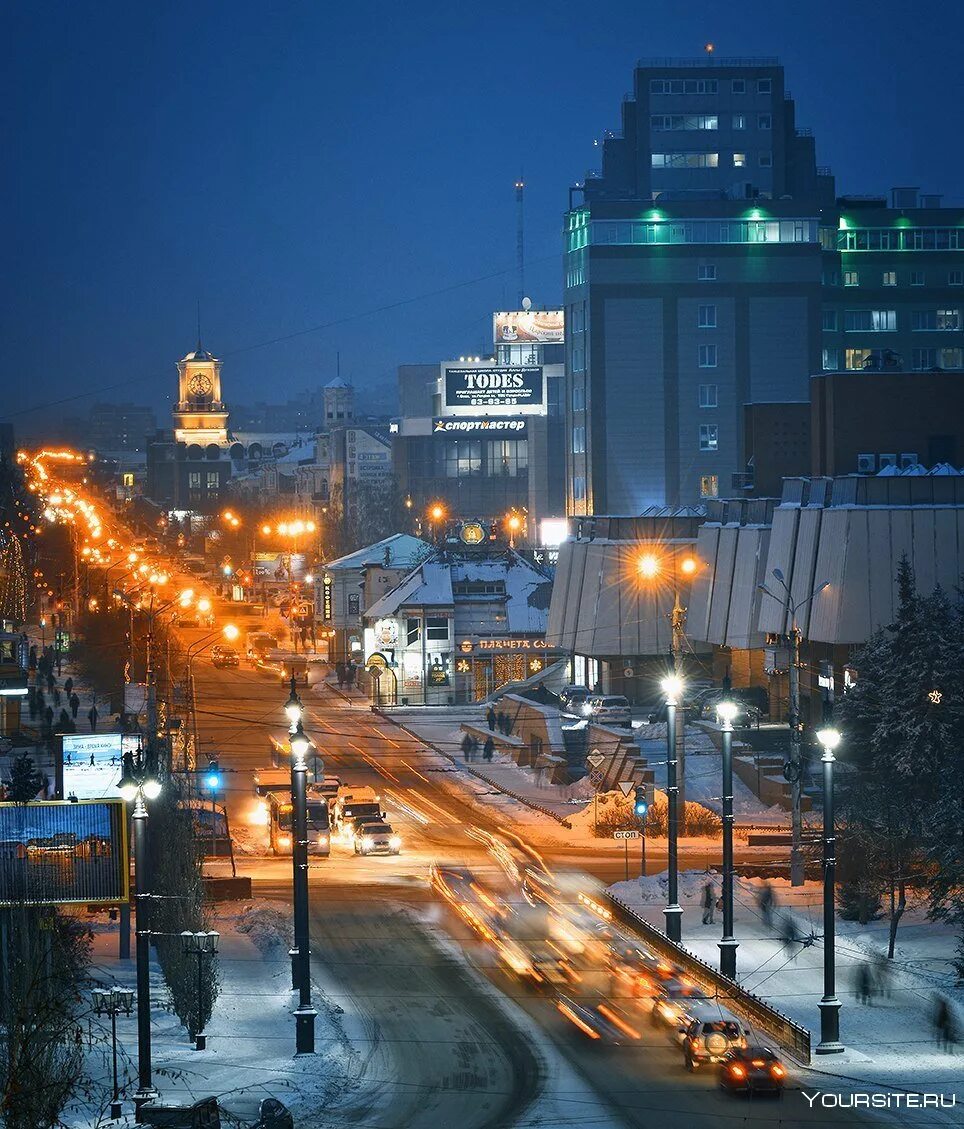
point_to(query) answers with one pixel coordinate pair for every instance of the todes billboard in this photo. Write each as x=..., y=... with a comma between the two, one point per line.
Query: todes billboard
x=494, y=386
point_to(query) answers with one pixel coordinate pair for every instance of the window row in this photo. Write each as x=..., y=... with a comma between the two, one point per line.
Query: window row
x=685, y=160
x=645, y=232
x=914, y=278
x=706, y=86
x=900, y=239
x=463, y=458
x=922, y=360
x=662, y=123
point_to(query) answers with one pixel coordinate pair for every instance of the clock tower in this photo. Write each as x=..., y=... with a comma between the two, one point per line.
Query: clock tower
x=200, y=415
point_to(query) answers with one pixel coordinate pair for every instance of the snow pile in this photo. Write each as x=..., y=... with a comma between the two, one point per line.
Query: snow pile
x=268, y=928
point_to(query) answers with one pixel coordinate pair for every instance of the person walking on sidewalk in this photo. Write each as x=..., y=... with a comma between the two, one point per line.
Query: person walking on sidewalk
x=490, y=719
x=767, y=902
x=92, y=717
x=945, y=1026
x=708, y=902
x=466, y=746
x=864, y=983
x=50, y=680
x=74, y=705
x=69, y=686
x=488, y=748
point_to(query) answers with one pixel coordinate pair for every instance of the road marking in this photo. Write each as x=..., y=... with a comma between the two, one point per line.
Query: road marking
x=375, y=765
x=447, y=817
x=411, y=768
x=421, y=817
x=385, y=737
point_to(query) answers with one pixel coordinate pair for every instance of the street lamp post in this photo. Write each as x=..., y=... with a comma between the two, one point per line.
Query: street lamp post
x=672, y=688
x=726, y=711
x=137, y=785
x=110, y=1001
x=829, y=1005
x=301, y=955
x=201, y=944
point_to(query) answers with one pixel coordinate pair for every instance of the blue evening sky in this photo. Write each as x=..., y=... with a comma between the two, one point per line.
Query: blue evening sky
x=291, y=165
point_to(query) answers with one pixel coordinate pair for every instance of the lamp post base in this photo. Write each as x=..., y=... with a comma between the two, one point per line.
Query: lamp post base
x=141, y=1098
x=116, y=1111
x=674, y=922
x=829, y=1027
x=305, y=1031
x=728, y=947
x=200, y=1042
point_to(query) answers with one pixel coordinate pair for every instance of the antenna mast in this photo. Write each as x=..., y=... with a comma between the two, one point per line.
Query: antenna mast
x=520, y=246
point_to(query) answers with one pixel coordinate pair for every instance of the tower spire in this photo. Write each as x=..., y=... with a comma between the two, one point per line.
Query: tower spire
x=520, y=186
x=199, y=325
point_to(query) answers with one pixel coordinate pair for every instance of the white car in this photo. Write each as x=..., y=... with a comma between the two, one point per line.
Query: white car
x=376, y=839
x=610, y=709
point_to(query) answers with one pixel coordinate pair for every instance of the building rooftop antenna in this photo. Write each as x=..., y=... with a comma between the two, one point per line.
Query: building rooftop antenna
x=520, y=246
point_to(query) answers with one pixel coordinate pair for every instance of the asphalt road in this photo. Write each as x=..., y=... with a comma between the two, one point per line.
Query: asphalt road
x=437, y=1048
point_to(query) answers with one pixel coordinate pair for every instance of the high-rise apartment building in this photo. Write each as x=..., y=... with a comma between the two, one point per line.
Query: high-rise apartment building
x=709, y=265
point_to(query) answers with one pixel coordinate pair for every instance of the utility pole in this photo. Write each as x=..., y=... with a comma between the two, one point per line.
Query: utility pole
x=678, y=623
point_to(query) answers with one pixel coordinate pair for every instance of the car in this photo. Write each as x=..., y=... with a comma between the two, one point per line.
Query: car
x=224, y=656
x=674, y=1003
x=376, y=839
x=659, y=714
x=573, y=697
x=611, y=709
x=752, y=1069
x=752, y=700
x=712, y=1033
x=186, y=620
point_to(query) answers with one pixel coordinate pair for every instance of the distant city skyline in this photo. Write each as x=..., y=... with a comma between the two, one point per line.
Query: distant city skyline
x=313, y=169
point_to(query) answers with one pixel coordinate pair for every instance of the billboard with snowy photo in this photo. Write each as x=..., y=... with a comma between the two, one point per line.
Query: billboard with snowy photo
x=56, y=852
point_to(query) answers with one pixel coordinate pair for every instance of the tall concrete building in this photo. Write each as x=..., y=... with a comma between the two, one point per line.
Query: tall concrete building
x=709, y=266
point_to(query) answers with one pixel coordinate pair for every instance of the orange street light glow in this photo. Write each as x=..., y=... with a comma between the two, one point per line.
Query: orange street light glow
x=688, y=566
x=648, y=566
x=230, y=631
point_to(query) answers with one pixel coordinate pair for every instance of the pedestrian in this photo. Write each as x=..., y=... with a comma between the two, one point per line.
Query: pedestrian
x=56, y=696
x=74, y=706
x=92, y=718
x=882, y=974
x=69, y=686
x=350, y=674
x=945, y=1026
x=488, y=748
x=474, y=751
x=49, y=718
x=508, y=724
x=50, y=681
x=63, y=721
x=490, y=719
x=708, y=902
x=340, y=673
x=863, y=982
x=32, y=661
x=500, y=721
x=789, y=934
x=767, y=902
x=32, y=702
x=466, y=746
x=60, y=659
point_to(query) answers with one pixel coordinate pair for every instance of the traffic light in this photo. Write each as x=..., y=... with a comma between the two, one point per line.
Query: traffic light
x=640, y=804
x=213, y=777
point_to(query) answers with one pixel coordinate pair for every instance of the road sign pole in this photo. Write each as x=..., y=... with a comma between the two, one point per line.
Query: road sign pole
x=626, y=852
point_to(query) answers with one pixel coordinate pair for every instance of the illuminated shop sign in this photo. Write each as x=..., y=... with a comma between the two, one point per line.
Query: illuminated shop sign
x=469, y=426
x=494, y=386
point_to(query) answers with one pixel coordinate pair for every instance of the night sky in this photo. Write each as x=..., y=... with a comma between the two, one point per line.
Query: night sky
x=294, y=166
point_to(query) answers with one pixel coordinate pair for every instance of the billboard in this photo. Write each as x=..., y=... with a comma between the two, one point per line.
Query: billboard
x=56, y=852
x=494, y=386
x=468, y=425
x=92, y=764
x=539, y=327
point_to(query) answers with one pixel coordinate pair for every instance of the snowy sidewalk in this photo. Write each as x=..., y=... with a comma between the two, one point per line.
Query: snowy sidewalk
x=250, y=1048
x=890, y=1042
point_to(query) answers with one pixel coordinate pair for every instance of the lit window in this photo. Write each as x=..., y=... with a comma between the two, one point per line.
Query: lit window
x=707, y=356
x=706, y=272
x=212, y=480
x=709, y=437
x=709, y=395
x=661, y=122
x=739, y=121
x=764, y=121
x=955, y=278
x=579, y=488
x=413, y=631
x=194, y=480
x=707, y=317
x=942, y=321
x=889, y=278
x=851, y=278
x=831, y=360
x=764, y=86
x=766, y=160
x=709, y=485
x=738, y=86
x=917, y=278
x=829, y=319
x=739, y=160
x=578, y=440
x=578, y=398
x=685, y=160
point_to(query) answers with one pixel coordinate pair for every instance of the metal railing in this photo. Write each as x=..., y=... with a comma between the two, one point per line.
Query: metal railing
x=790, y=1036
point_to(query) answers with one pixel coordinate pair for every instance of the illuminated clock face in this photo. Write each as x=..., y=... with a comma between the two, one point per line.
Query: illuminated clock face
x=200, y=385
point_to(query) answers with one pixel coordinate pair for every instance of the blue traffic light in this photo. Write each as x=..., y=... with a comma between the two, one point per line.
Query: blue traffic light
x=213, y=777
x=641, y=804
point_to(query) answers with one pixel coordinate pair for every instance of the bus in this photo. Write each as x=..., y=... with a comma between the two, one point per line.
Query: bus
x=281, y=825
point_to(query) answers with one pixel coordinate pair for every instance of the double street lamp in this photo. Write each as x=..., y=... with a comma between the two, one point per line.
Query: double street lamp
x=201, y=944
x=301, y=954
x=673, y=689
x=726, y=712
x=111, y=1001
x=829, y=1005
x=139, y=784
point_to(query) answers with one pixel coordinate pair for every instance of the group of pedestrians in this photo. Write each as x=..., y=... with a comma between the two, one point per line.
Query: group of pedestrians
x=872, y=979
x=345, y=674
x=498, y=721
x=470, y=747
x=55, y=708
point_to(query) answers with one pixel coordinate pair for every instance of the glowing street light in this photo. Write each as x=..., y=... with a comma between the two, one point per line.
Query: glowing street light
x=726, y=712
x=829, y=1005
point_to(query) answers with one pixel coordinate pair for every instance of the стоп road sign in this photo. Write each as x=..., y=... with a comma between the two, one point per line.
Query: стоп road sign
x=625, y=834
